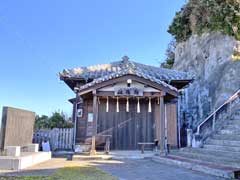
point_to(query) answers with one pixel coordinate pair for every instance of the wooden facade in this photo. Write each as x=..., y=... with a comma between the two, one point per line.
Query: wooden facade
x=127, y=129
x=130, y=107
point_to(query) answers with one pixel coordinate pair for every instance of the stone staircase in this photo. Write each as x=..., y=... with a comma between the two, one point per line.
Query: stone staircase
x=220, y=155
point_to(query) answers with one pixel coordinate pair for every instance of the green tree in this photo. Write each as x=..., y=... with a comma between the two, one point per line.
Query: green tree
x=41, y=122
x=57, y=120
x=200, y=16
x=170, y=55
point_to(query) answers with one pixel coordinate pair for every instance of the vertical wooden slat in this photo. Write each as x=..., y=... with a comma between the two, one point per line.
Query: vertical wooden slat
x=66, y=141
x=69, y=140
x=63, y=138
x=55, y=138
x=60, y=137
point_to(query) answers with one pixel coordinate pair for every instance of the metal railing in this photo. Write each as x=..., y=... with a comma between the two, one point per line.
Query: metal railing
x=226, y=106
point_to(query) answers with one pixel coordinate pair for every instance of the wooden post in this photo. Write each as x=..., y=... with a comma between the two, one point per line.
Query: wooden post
x=95, y=117
x=75, y=117
x=93, y=147
x=162, y=127
x=165, y=129
x=178, y=121
x=107, y=145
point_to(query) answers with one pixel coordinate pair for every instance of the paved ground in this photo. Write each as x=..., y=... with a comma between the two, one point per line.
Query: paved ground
x=148, y=170
x=123, y=169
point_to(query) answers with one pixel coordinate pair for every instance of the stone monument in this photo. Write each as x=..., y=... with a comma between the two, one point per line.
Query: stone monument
x=17, y=150
x=16, y=127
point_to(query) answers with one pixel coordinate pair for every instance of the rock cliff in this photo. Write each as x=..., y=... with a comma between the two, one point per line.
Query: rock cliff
x=217, y=76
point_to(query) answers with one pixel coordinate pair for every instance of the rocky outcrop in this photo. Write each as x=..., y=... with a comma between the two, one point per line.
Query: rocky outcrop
x=217, y=76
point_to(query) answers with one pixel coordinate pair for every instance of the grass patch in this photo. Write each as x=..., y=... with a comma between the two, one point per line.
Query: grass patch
x=70, y=173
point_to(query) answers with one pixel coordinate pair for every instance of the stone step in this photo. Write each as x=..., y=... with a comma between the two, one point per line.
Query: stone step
x=211, y=158
x=229, y=131
x=196, y=165
x=223, y=142
x=227, y=154
x=233, y=122
x=222, y=148
x=235, y=117
x=237, y=113
x=232, y=126
x=226, y=137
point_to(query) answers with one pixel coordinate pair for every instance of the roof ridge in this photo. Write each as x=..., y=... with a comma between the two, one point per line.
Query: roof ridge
x=125, y=65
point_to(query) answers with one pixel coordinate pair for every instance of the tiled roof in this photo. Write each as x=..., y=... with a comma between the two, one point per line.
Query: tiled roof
x=104, y=72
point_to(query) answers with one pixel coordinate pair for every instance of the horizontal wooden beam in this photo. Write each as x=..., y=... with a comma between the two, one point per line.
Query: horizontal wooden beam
x=145, y=94
x=134, y=78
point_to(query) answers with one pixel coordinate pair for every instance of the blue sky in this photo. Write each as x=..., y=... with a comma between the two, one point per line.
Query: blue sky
x=38, y=39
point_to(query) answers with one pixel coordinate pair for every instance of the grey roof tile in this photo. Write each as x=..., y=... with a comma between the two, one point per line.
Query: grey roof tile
x=104, y=72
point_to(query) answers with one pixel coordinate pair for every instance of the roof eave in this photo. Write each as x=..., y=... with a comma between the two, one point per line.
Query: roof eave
x=71, y=81
x=134, y=77
x=180, y=84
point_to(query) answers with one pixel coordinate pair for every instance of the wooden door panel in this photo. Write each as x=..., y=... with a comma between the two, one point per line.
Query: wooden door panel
x=128, y=128
x=171, y=112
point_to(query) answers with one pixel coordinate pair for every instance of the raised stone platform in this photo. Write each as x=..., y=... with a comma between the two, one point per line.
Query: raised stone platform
x=26, y=159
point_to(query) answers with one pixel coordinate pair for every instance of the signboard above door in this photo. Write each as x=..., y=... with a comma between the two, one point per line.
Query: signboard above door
x=128, y=91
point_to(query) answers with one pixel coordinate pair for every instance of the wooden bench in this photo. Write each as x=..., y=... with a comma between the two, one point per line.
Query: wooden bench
x=142, y=144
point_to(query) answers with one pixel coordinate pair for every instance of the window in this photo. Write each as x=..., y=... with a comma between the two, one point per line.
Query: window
x=80, y=113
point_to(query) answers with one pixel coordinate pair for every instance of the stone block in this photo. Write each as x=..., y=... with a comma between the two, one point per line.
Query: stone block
x=14, y=151
x=189, y=137
x=197, y=141
x=32, y=148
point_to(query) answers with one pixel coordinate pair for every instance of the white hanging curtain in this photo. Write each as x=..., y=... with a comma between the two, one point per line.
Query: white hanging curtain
x=117, y=106
x=107, y=105
x=149, y=105
x=138, y=106
x=127, y=105
x=98, y=100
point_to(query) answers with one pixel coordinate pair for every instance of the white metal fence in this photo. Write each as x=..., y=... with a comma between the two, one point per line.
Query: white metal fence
x=58, y=138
